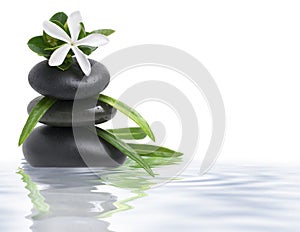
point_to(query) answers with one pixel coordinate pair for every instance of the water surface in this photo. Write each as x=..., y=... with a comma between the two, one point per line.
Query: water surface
x=229, y=198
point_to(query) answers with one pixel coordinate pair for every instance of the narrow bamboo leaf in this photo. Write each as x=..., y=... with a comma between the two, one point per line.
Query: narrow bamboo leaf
x=154, y=151
x=35, y=115
x=124, y=148
x=155, y=162
x=129, y=133
x=130, y=112
x=34, y=194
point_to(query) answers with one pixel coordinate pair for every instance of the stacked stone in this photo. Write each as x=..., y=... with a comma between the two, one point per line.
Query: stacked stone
x=54, y=144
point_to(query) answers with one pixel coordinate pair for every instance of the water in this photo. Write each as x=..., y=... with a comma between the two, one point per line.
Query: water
x=229, y=198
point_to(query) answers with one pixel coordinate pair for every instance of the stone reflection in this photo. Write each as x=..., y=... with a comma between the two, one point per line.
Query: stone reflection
x=66, y=199
x=74, y=199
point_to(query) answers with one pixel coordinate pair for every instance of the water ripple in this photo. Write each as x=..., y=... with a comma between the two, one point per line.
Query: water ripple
x=230, y=198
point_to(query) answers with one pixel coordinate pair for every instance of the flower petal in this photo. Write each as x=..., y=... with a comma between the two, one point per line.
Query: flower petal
x=55, y=31
x=59, y=55
x=74, y=21
x=93, y=40
x=83, y=61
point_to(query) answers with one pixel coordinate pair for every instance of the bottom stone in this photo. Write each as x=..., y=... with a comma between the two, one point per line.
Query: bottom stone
x=56, y=147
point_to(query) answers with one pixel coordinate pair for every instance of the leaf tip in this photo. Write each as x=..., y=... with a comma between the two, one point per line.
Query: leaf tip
x=151, y=135
x=150, y=172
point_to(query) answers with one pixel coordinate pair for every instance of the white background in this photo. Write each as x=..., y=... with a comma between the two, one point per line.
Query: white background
x=251, y=48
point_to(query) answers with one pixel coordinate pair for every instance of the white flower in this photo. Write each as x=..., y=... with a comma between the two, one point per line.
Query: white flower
x=59, y=55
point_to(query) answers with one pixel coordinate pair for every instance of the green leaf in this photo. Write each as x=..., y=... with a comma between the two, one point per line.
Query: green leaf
x=50, y=41
x=124, y=148
x=60, y=17
x=129, y=133
x=35, y=196
x=105, y=32
x=59, y=24
x=157, y=161
x=154, y=151
x=130, y=112
x=52, y=48
x=35, y=115
x=38, y=45
x=82, y=32
x=66, y=64
x=87, y=49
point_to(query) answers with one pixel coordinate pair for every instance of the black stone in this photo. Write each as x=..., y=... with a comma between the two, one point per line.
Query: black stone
x=52, y=82
x=55, y=147
x=61, y=113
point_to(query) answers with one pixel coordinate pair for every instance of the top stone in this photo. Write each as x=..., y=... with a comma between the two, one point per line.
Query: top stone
x=64, y=85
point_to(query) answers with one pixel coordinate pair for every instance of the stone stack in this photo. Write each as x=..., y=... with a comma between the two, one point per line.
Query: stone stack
x=54, y=145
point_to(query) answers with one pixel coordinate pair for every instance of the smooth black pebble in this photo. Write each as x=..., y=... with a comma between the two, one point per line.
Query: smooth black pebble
x=86, y=112
x=64, y=85
x=56, y=147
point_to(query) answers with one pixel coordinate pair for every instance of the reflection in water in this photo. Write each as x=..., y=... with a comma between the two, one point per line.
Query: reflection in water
x=73, y=199
x=231, y=198
x=68, y=199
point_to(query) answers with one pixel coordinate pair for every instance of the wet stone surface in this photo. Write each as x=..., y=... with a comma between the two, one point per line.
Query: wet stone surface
x=56, y=147
x=86, y=112
x=63, y=85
